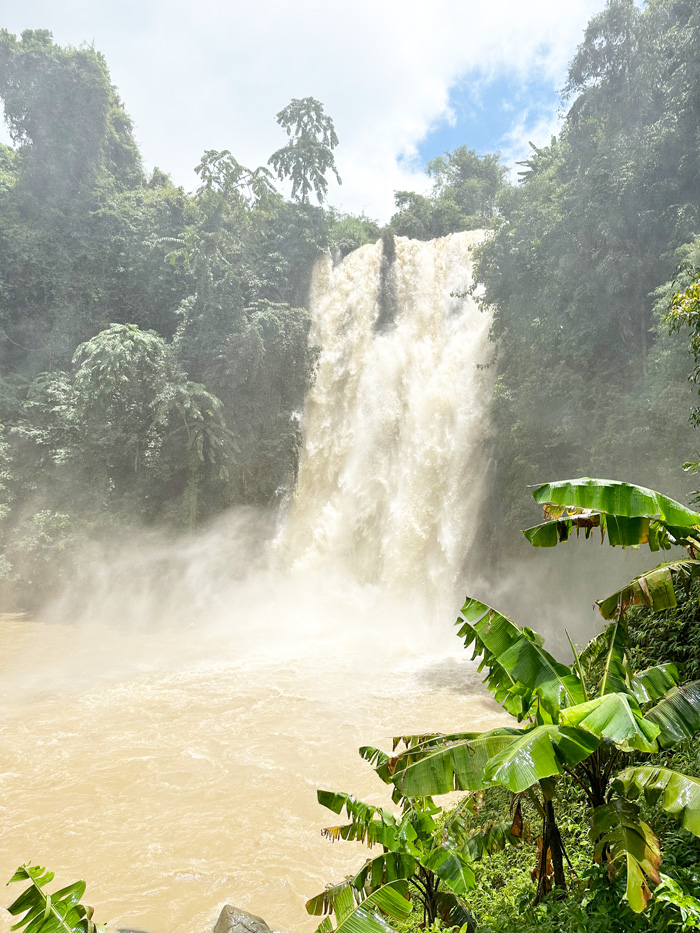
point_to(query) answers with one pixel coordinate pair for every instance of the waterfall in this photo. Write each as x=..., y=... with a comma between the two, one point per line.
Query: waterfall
x=395, y=429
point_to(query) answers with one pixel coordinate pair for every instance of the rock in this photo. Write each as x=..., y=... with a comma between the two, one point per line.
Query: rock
x=234, y=920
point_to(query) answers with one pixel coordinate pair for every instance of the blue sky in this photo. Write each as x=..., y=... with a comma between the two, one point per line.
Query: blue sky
x=484, y=114
x=404, y=80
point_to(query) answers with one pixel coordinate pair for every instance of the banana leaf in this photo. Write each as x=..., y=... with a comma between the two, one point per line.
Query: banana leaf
x=373, y=825
x=383, y=869
x=490, y=838
x=617, y=670
x=323, y=903
x=452, y=868
x=631, y=515
x=622, y=532
x=530, y=670
x=651, y=684
x=616, y=498
x=416, y=747
x=654, y=589
x=678, y=714
x=60, y=912
x=678, y=794
x=538, y=753
x=370, y=916
x=615, y=716
x=454, y=912
x=618, y=831
x=457, y=765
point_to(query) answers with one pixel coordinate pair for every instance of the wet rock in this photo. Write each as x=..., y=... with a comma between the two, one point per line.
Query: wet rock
x=234, y=920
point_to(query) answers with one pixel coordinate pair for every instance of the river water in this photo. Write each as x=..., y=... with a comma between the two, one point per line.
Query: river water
x=163, y=731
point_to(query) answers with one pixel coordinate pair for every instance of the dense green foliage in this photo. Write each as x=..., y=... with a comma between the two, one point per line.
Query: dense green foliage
x=587, y=376
x=581, y=270
x=466, y=195
x=575, y=764
x=154, y=348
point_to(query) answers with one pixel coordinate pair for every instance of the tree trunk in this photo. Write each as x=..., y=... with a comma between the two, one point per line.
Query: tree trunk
x=551, y=849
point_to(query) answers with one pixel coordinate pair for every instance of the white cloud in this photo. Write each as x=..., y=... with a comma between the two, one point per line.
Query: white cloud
x=213, y=74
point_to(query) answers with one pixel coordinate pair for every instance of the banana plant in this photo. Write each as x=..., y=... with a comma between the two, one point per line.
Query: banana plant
x=418, y=849
x=60, y=912
x=584, y=719
x=630, y=515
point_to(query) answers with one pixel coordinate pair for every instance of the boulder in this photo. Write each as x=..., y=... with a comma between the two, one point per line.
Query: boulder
x=234, y=920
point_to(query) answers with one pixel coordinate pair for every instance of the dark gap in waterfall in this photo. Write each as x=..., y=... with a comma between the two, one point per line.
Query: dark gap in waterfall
x=386, y=293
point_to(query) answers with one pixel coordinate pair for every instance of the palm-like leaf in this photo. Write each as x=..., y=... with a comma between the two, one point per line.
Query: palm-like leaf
x=618, y=831
x=384, y=869
x=617, y=670
x=653, y=589
x=489, y=838
x=417, y=747
x=60, y=912
x=454, y=912
x=373, y=825
x=622, y=532
x=678, y=794
x=614, y=716
x=322, y=903
x=537, y=754
x=451, y=866
x=370, y=916
x=441, y=767
x=651, y=684
x=678, y=714
x=631, y=515
x=517, y=662
x=616, y=498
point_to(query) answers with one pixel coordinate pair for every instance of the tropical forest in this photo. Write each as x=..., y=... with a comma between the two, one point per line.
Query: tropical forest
x=269, y=427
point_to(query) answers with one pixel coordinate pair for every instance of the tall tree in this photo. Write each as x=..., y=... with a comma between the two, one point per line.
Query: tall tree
x=308, y=156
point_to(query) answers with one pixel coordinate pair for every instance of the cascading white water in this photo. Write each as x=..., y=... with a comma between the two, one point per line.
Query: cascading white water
x=165, y=740
x=395, y=426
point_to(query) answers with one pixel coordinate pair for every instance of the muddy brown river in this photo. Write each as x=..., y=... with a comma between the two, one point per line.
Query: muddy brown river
x=176, y=772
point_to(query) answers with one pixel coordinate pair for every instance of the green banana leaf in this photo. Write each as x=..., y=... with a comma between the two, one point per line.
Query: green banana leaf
x=60, y=912
x=654, y=589
x=490, y=838
x=323, y=903
x=678, y=714
x=615, y=716
x=618, y=831
x=617, y=670
x=622, y=532
x=416, y=747
x=384, y=869
x=616, y=498
x=631, y=515
x=373, y=825
x=454, y=912
x=442, y=768
x=651, y=684
x=678, y=794
x=530, y=669
x=452, y=868
x=370, y=916
x=538, y=753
